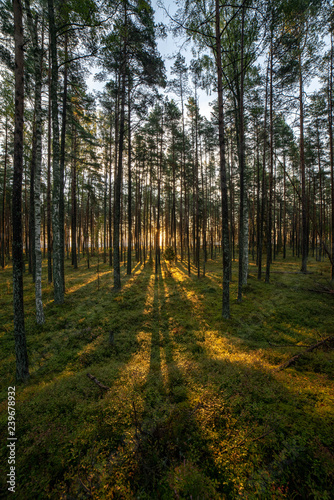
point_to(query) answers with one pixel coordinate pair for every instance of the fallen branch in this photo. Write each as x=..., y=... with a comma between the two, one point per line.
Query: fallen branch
x=97, y=382
x=288, y=345
x=87, y=490
x=292, y=360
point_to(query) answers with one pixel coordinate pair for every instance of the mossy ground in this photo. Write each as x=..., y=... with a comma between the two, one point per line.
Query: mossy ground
x=196, y=408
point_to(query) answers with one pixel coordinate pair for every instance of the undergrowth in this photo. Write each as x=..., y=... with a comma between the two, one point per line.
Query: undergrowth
x=196, y=408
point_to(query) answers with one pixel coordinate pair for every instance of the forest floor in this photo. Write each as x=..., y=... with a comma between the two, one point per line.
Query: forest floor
x=196, y=408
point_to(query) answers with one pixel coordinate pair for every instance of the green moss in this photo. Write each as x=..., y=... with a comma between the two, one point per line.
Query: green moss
x=195, y=405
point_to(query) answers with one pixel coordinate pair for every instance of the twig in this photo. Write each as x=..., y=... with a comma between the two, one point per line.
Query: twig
x=288, y=345
x=292, y=360
x=87, y=490
x=97, y=382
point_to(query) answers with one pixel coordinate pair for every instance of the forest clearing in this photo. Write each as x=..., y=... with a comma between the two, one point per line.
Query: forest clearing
x=195, y=404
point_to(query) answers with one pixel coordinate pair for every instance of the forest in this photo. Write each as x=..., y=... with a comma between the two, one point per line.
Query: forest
x=167, y=264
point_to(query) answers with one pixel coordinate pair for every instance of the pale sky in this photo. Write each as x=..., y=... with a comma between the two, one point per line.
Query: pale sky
x=168, y=49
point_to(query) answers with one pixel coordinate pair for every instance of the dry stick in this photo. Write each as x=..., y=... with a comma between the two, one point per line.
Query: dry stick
x=288, y=345
x=97, y=382
x=87, y=490
x=292, y=360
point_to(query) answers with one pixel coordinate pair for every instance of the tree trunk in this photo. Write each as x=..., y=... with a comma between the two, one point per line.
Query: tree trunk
x=269, y=214
x=330, y=123
x=3, y=229
x=22, y=370
x=57, y=183
x=242, y=242
x=37, y=166
x=302, y=171
x=118, y=185
x=74, y=201
x=223, y=179
x=62, y=170
x=129, y=266
x=263, y=201
x=48, y=189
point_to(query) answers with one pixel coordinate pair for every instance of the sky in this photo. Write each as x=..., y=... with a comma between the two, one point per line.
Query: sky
x=168, y=49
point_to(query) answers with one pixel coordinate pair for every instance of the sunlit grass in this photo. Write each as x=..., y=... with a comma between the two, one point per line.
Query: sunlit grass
x=195, y=402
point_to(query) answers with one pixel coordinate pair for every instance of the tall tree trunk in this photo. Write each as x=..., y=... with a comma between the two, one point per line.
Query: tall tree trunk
x=74, y=201
x=263, y=201
x=284, y=207
x=269, y=214
x=62, y=170
x=110, y=191
x=57, y=182
x=118, y=185
x=3, y=228
x=302, y=172
x=223, y=178
x=32, y=255
x=22, y=370
x=129, y=266
x=37, y=154
x=330, y=109
x=242, y=242
x=48, y=188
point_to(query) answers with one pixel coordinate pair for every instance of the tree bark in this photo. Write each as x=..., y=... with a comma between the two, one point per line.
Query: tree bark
x=330, y=123
x=57, y=184
x=22, y=370
x=74, y=201
x=269, y=214
x=302, y=172
x=223, y=179
x=129, y=265
x=3, y=225
x=62, y=170
x=37, y=166
x=118, y=185
x=241, y=162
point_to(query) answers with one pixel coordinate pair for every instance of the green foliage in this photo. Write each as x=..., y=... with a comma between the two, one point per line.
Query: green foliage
x=169, y=254
x=195, y=407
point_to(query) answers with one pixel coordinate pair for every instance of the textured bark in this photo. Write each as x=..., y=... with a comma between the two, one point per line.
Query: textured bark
x=56, y=199
x=62, y=171
x=245, y=239
x=110, y=204
x=37, y=267
x=302, y=172
x=223, y=178
x=118, y=184
x=105, y=209
x=330, y=123
x=32, y=259
x=241, y=162
x=269, y=213
x=129, y=266
x=119, y=166
x=74, y=202
x=157, y=237
x=3, y=225
x=48, y=189
x=22, y=370
x=263, y=201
